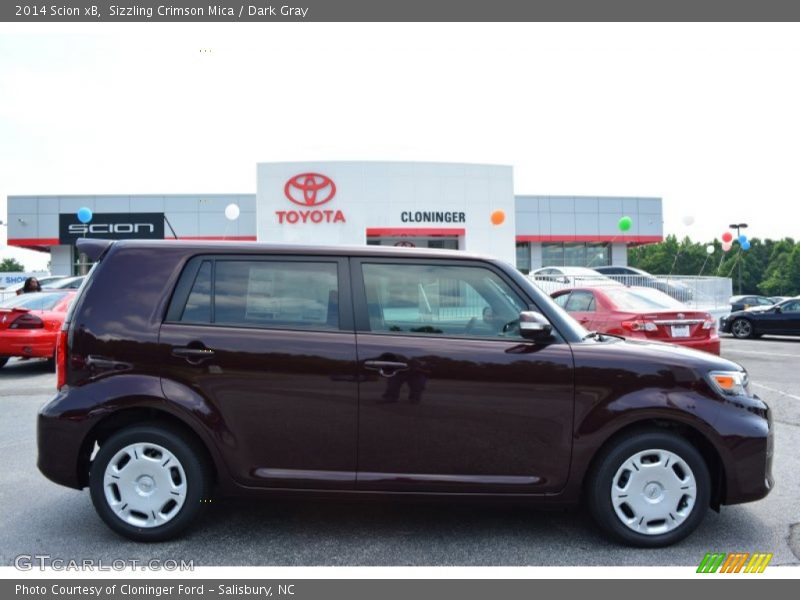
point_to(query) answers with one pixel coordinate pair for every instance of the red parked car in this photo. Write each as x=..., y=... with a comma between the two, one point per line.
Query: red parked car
x=638, y=312
x=29, y=324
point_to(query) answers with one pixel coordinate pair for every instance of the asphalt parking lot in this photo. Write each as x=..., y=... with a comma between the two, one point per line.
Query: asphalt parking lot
x=42, y=518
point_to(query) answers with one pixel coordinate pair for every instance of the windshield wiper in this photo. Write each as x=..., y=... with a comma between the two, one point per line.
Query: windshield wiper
x=592, y=334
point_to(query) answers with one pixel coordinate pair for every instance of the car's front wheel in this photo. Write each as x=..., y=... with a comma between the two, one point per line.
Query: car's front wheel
x=742, y=328
x=148, y=482
x=649, y=490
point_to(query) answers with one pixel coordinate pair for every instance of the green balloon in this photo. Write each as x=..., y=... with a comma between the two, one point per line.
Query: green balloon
x=625, y=223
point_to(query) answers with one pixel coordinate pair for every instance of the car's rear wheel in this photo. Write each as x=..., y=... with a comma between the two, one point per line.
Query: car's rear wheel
x=649, y=490
x=148, y=482
x=742, y=328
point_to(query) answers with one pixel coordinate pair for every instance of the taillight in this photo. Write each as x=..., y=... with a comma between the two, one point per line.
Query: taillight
x=639, y=326
x=710, y=324
x=27, y=321
x=61, y=359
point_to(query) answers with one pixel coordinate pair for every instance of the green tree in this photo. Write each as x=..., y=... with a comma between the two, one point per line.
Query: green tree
x=768, y=267
x=9, y=265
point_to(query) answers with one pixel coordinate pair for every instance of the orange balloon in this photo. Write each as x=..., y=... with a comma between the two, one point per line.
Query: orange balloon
x=498, y=217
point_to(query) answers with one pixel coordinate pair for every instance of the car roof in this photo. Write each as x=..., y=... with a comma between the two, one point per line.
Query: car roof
x=592, y=288
x=239, y=247
x=573, y=270
x=602, y=268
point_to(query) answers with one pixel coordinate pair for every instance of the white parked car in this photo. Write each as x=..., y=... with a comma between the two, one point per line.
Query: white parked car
x=65, y=283
x=551, y=279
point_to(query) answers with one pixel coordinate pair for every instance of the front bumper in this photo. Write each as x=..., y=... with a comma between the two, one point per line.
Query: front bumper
x=748, y=466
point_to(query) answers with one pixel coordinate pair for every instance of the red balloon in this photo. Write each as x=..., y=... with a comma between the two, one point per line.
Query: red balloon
x=727, y=237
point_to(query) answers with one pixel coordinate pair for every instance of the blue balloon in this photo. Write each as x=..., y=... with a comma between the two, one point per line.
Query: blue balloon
x=745, y=245
x=84, y=214
x=742, y=239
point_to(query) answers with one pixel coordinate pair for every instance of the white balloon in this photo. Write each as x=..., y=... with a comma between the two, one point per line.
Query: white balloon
x=710, y=249
x=232, y=212
x=688, y=220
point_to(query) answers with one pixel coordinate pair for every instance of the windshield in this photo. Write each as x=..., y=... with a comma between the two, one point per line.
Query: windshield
x=643, y=299
x=35, y=301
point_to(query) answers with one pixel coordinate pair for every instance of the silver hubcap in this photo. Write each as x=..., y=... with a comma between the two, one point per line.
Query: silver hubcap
x=653, y=492
x=145, y=485
x=741, y=328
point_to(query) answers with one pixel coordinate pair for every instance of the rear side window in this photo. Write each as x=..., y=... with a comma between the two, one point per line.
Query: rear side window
x=580, y=302
x=35, y=301
x=259, y=293
x=561, y=300
x=198, y=305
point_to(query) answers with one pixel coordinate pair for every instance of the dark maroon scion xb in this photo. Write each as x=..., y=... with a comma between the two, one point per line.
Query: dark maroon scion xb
x=193, y=369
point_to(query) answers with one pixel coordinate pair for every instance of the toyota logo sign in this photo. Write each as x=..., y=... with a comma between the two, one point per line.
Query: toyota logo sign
x=310, y=189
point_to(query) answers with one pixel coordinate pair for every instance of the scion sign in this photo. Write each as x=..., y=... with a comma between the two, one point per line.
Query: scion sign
x=112, y=226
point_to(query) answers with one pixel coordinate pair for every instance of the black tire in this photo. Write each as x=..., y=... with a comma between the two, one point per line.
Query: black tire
x=742, y=328
x=3, y=361
x=612, y=458
x=190, y=457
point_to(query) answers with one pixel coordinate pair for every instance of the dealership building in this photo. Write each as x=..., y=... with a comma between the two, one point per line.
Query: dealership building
x=435, y=205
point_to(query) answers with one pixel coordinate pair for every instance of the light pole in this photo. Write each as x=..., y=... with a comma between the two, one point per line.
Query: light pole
x=737, y=227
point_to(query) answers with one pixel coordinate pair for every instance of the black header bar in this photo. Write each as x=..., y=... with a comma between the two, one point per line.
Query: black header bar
x=122, y=11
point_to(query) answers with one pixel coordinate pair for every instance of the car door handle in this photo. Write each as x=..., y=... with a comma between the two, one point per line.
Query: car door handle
x=386, y=368
x=193, y=355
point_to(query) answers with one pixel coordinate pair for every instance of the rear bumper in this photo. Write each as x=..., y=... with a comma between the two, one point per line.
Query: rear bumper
x=59, y=440
x=711, y=345
x=27, y=344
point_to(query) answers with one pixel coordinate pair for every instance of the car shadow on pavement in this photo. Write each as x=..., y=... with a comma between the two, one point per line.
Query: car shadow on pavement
x=23, y=368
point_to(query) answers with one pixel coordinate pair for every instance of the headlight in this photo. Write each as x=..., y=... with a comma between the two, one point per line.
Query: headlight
x=730, y=383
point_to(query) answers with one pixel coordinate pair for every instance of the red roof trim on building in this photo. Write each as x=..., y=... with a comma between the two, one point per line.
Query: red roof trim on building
x=219, y=238
x=33, y=242
x=627, y=239
x=415, y=231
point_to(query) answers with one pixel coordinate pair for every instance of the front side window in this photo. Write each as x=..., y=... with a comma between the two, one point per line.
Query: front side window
x=272, y=294
x=440, y=300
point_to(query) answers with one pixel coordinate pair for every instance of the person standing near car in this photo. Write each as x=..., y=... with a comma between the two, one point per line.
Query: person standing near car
x=31, y=285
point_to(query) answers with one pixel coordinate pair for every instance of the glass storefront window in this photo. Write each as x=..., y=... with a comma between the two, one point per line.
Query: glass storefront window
x=441, y=242
x=524, y=257
x=575, y=254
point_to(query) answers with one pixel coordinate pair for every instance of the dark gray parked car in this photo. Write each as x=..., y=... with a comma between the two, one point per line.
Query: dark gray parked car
x=632, y=276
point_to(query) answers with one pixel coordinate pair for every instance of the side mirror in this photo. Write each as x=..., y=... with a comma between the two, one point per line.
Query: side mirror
x=778, y=309
x=534, y=326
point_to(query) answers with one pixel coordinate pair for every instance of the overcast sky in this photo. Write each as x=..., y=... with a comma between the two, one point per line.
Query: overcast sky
x=705, y=116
